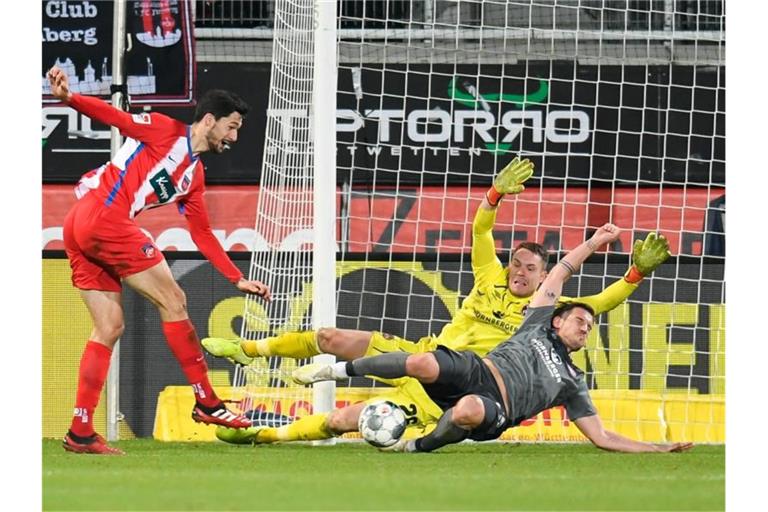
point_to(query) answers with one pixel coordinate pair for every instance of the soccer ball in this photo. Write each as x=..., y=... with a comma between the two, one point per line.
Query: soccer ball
x=382, y=423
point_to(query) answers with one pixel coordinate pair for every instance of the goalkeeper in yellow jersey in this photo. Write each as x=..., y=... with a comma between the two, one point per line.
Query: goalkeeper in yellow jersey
x=488, y=316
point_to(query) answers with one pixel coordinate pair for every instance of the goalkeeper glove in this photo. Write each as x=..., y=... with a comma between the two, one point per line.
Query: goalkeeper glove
x=510, y=180
x=647, y=255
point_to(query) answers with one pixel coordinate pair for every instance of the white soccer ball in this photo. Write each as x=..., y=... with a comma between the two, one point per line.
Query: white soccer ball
x=382, y=423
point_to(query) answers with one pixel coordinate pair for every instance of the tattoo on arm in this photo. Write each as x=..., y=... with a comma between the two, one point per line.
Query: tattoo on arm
x=567, y=266
x=551, y=295
x=592, y=245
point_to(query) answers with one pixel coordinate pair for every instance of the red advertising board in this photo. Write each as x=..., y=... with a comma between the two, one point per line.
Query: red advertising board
x=431, y=219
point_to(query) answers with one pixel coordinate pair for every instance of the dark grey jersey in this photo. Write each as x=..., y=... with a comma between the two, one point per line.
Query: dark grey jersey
x=538, y=372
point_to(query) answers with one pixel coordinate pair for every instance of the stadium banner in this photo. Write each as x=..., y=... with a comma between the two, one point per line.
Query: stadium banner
x=665, y=346
x=645, y=416
x=160, y=62
x=435, y=220
x=577, y=122
x=77, y=36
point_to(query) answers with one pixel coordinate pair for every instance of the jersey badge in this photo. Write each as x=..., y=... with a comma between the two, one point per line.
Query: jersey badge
x=149, y=250
x=142, y=118
x=185, y=182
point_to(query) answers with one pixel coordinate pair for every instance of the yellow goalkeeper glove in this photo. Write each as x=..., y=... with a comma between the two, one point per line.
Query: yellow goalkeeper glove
x=510, y=180
x=647, y=255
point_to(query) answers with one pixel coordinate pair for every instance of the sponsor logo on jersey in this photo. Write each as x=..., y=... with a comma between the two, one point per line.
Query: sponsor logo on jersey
x=555, y=358
x=143, y=118
x=541, y=351
x=163, y=186
x=504, y=326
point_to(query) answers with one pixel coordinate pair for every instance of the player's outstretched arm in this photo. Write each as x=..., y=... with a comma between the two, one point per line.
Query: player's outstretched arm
x=647, y=255
x=592, y=427
x=138, y=127
x=552, y=287
x=196, y=213
x=509, y=181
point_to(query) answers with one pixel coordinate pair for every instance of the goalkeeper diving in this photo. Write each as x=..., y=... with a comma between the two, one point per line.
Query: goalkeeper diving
x=489, y=315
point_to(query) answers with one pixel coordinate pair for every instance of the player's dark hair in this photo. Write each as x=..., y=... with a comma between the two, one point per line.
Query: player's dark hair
x=220, y=103
x=535, y=248
x=563, y=309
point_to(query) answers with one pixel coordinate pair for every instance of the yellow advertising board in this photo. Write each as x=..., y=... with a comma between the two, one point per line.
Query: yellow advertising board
x=640, y=415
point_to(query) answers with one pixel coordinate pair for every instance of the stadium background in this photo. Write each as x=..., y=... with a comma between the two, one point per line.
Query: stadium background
x=215, y=308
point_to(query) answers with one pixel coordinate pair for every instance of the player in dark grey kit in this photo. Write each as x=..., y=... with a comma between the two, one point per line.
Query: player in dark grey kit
x=529, y=373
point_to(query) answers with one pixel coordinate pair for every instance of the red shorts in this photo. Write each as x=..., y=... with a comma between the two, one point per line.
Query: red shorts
x=103, y=246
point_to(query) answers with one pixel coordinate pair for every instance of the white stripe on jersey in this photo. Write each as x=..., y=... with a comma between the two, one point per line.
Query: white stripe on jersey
x=92, y=179
x=88, y=183
x=169, y=163
x=124, y=153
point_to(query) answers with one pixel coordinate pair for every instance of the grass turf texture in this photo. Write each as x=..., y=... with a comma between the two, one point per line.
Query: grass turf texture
x=354, y=476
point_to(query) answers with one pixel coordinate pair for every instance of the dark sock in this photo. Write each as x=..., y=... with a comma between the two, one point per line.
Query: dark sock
x=209, y=409
x=81, y=439
x=388, y=366
x=446, y=432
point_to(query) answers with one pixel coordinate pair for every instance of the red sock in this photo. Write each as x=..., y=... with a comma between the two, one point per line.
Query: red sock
x=183, y=341
x=94, y=365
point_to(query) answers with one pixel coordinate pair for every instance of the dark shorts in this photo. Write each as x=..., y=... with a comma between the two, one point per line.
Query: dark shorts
x=463, y=374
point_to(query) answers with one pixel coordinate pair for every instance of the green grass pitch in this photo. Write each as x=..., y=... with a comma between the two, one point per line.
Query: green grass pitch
x=354, y=476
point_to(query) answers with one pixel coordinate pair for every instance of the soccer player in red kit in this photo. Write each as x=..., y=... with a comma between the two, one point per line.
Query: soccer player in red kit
x=158, y=164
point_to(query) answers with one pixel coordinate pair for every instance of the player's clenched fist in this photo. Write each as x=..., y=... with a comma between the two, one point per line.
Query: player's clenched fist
x=59, y=83
x=606, y=234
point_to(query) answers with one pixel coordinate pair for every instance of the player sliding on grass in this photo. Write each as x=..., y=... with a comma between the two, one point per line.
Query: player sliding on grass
x=489, y=315
x=527, y=374
x=158, y=164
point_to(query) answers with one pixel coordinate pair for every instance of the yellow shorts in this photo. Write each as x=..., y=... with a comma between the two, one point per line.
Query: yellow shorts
x=408, y=393
x=382, y=343
x=420, y=411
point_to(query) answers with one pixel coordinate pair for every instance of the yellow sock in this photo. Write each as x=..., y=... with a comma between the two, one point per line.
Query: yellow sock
x=298, y=345
x=308, y=428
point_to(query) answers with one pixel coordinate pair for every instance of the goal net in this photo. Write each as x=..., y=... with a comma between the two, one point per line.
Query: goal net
x=621, y=107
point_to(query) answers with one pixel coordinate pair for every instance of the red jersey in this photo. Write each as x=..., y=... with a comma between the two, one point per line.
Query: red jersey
x=155, y=166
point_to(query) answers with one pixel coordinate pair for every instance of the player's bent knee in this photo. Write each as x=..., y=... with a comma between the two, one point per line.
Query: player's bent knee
x=469, y=412
x=423, y=367
x=327, y=339
x=341, y=421
x=108, y=334
x=342, y=343
x=174, y=302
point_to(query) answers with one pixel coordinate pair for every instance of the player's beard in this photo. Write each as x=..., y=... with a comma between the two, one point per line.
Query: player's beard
x=218, y=146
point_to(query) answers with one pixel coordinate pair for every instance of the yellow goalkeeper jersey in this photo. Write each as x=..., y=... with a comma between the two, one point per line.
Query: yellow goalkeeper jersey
x=491, y=313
